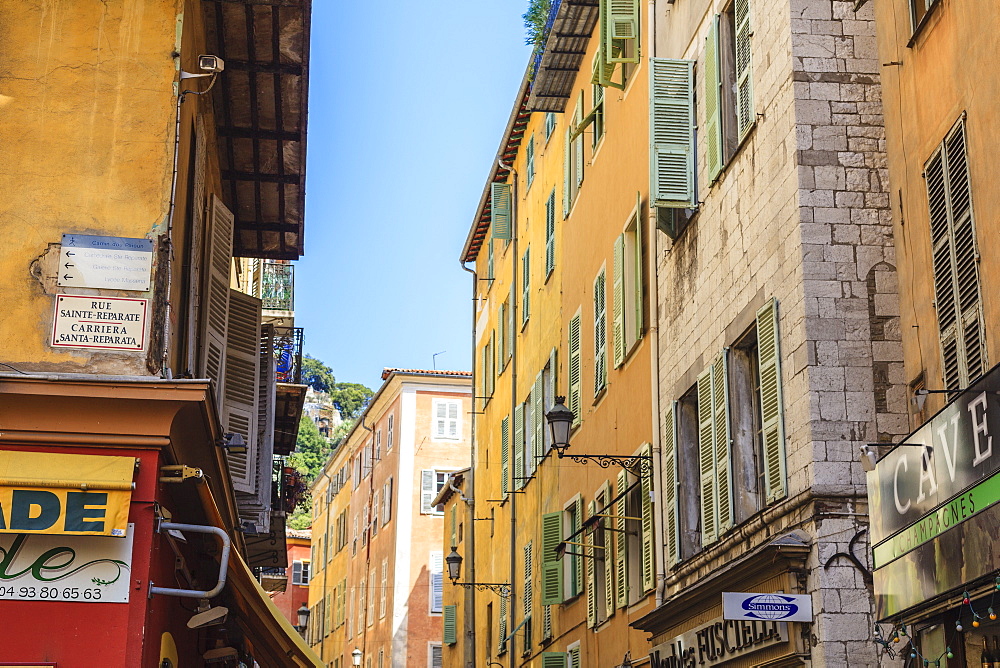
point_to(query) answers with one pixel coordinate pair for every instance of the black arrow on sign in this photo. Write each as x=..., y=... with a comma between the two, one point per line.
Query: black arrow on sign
x=70, y=253
x=67, y=276
x=68, y=265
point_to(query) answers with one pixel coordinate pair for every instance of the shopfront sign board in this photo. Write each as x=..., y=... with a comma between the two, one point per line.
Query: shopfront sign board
x=82, y=569
x=717, y=642
x=933, y=502
x=112, y=263
x=100, y=323
x=767, y=607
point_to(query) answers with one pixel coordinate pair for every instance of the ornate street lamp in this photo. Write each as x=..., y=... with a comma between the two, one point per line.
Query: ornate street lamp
x=356, y=657
x=454, y=562
x=303, y=613
x=560, y=419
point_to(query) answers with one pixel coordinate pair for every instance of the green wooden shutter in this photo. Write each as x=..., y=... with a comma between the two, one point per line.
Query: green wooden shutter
x=553, y=659
x=706, y=460
x=529, y=161
x=526, y=285
x=501, y=338
x=713, y=103
x=505, y=455
x=574, y=657
x=771, y=410
x=528, y=593
x=670, y=487
x=640, y=276
x=489, y=259
x=574, y=369
x=511, y=309
x=450, y=636
x=454, y=526
x=647, y=542
x=578, y=142
x=600, y=334
x=502, y=643
x=567, y=170
x=550, y=233
x=546, y=622
x=538, y=409
x=672, y=126
x=621, y=538
x=578, y=537
x=518, y=447
x=491, y=372
x=608, y=556
x=500, y=206
x=618, y=301
x=591, y=566
x=723, y=442
x=744, y=82
x=622, y=26
x=552, y=571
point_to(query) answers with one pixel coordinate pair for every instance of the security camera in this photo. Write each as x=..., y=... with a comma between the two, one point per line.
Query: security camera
x=211, y=617
x=212, y=64
x=868, y=458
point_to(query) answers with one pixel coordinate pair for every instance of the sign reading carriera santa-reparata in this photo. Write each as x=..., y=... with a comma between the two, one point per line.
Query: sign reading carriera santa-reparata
x=106, y=323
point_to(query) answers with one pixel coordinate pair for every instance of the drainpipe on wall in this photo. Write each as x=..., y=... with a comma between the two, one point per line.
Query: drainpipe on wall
x=513, y=402
x=469, y=618
x=659, y=534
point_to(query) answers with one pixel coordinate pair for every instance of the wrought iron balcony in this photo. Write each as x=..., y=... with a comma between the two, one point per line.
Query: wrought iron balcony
x=288, y=354
x=277, y=286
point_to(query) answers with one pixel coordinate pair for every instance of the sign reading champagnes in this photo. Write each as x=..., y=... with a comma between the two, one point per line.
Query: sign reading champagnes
x=85, y=569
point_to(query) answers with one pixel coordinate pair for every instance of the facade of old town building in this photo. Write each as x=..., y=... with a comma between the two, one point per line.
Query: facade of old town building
x=376, y=582
x=147, y=392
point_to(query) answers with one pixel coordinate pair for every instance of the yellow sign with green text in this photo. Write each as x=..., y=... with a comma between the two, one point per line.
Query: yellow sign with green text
x=63, y=493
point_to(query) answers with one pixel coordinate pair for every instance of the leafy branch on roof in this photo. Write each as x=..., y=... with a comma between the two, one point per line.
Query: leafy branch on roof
x=534, y=21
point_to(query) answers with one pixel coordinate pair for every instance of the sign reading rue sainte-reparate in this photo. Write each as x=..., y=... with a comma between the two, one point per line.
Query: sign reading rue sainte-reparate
x=112, y=263
x=83, y=569
x=99, y=322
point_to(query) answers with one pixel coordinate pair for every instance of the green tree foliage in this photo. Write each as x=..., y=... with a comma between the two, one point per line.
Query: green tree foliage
x=350, y=399
x=317, y=375
x=311, y=449
x=302, y=517
x=534, y=21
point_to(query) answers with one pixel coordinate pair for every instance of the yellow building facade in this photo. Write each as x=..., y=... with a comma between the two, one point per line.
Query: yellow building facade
x=562, y=297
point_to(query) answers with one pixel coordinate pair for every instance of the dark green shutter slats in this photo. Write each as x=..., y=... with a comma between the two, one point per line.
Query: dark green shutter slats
x=500, y=210
x=771, y=411
x=450, y=622
x=552, y=570
x=672, y=125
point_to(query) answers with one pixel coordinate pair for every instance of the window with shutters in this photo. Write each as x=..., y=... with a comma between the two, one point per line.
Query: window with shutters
x=550, y=234
x=500, y=210
x=391, y=431
x=728, y=86
x=374, y=516
x=387, y=501
x=447, y=420
x=554, y=660
x=436, y=575
x=527, y=598
x=572, y=562
x=550, y=124
x=434, y=656
x=501, y=330
x=383, y=588
x=573, y=159
x=529, y=162
x=628, y=290
x=955, y=259
x=597, y=109
x=431, y=482
x=364, y=525
x=550, y=376
x=450, y=625
x=502, y=629
x=354, y=538
x=552, y=566
x=371, y=596
x=525, y=286
x=300, y=572
x=505, y=456
x=600, y=334
x=573, y=396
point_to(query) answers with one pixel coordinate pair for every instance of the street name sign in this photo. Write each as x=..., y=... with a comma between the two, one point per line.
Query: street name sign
x=767, y=607
x=113, y=263
x=106, y=323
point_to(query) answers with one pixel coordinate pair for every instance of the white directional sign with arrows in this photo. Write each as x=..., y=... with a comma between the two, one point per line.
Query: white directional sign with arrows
x=114, y=263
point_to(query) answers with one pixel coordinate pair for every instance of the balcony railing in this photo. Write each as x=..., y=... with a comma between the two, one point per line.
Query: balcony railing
x=277, y=286
x=288, y=354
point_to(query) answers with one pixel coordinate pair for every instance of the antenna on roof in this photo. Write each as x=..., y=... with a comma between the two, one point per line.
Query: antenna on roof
x=434, y=364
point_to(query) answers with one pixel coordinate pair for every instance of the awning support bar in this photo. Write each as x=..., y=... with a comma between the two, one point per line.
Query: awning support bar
x=223, y=562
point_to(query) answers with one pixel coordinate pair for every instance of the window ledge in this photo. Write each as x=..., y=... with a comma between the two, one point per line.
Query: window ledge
x=600, y=395
x=736, y=153
x=924, y=20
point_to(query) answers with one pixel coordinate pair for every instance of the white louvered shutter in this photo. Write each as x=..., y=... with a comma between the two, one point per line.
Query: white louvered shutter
x=618, y=301
x=706, y=460
x=713, y=103
x=573, y=399
x=428, y=490
x=518, y=447
x=600, y=334
x=505, y=456
x=591, y=566
x=242, y=382
x=621, y=541
x=723, y=442
x=647, y=543
x=670, y=485
x=215, y=307
x=672, y=126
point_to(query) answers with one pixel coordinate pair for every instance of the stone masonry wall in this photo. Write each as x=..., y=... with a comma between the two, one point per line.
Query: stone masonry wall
x=852, y=345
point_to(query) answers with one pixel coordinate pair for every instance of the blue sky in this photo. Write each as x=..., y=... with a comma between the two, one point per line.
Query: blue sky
x=408, y=101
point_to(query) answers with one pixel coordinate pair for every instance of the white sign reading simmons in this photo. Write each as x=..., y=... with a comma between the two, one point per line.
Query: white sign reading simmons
x=767, y=607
